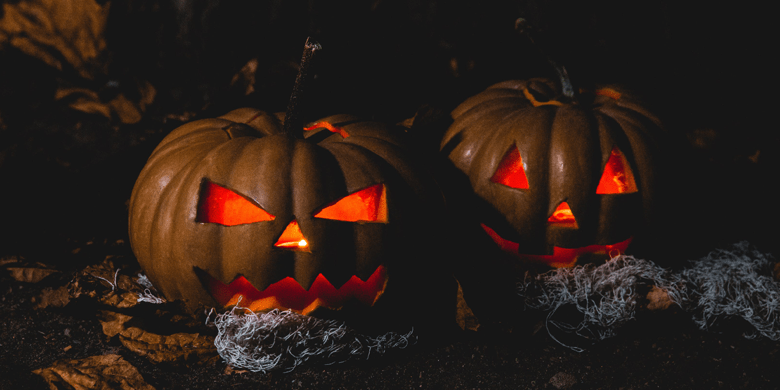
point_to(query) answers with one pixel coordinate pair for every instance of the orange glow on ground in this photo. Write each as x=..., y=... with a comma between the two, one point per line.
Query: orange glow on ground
x=561, y=257
x=510, y=171
x=288, y=293
x=329, y=126
x=366, y=205
x=563, y=217
x=617, y=177
x=220, y=205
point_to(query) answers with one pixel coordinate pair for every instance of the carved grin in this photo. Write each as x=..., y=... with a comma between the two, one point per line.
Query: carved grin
x=288, y=293
x=561, y=257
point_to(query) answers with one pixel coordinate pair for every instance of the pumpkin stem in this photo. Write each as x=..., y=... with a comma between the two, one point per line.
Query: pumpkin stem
x=293, y=119
x=567, y=88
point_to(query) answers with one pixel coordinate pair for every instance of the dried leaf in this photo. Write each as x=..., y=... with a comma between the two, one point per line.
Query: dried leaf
x=465, y=317
x=9, y=260
x=245, y=78
x=120, y=107
x=58, y=32
x=52, y=298
x=106, y=372
x=658, y=299
x=113, y=323
x=107, y=284
x=29, y=274
x=178, y=347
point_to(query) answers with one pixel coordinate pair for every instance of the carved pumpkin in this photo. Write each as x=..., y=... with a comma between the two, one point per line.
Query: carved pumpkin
x=559, y=178
x=233, y=207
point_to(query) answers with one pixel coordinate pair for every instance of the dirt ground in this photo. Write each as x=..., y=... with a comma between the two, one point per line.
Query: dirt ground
x=74, y=137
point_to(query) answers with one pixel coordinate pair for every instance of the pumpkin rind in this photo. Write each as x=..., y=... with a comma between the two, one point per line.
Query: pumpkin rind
x=564, y=147
x=246, y=152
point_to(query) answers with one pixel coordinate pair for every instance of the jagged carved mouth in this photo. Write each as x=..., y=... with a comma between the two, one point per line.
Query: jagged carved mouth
x=561, y=257
x=289, y=294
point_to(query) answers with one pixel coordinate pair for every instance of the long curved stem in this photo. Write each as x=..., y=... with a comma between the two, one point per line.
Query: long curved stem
x=293, y=119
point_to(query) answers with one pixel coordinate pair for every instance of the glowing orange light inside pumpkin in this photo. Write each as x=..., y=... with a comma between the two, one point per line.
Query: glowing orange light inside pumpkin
x=617, y=177
x=292, y=238
x=329, y=126
x=563, y=217
x=511, y=172
x=561, y=257
x=366, y=205
x=220, y=205
x=288, y=293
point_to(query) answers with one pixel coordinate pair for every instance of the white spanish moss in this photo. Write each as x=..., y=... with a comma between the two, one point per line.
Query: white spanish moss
x=734, y=283
x=262, y=342
x=149, y=294
x=606, y=295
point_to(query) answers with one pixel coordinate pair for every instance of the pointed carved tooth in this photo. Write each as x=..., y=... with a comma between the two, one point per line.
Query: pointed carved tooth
x=315, y=304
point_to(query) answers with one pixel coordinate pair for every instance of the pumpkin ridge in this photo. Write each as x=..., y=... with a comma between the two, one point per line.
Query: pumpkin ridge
x=161, y=222
x=197, y=126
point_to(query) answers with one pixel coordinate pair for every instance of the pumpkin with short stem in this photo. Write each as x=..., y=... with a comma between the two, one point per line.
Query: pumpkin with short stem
x=334, y=217
x=233, y=207
x=560, y=176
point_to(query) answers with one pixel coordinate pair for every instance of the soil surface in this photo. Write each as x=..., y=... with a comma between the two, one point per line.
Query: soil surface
x=67, y=174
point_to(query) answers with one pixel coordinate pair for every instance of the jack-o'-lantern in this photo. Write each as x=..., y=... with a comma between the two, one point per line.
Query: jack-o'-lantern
x=559, y=177
x=235, y=208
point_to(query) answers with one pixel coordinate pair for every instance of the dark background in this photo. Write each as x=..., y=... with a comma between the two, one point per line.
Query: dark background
x=706, y=68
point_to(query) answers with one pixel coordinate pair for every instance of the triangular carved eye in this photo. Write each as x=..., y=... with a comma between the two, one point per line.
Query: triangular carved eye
x=220, y=205
x=366, y=205
x=511, y=171
x=617, y=177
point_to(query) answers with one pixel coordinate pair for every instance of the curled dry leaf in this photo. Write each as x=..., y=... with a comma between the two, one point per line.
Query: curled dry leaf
x=51, y=297
x=105, y=372
x=465, y=318
x=175, y=348
x=658, y=299
x=120, y=107
x=9, y=260
x=30, y=274
x=108, y=284
x=245, y=78
x=61, y=33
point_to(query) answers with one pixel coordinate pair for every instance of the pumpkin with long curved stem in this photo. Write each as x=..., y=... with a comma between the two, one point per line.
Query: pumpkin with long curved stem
x=242, y=209
x=560, y=176
x=233, y=207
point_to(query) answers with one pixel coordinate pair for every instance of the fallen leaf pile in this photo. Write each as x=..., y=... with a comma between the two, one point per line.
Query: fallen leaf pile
x=109, y=372
x=65, y=34
x=160, y=332
x=68, y=35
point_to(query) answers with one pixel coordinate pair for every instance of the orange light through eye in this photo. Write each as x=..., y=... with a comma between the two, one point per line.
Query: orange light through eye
x=328, y=126
x=563, y=217
x=366, y=205
x=292, y=238
x=220, y=205
x=511, y=172
x=617, y=177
